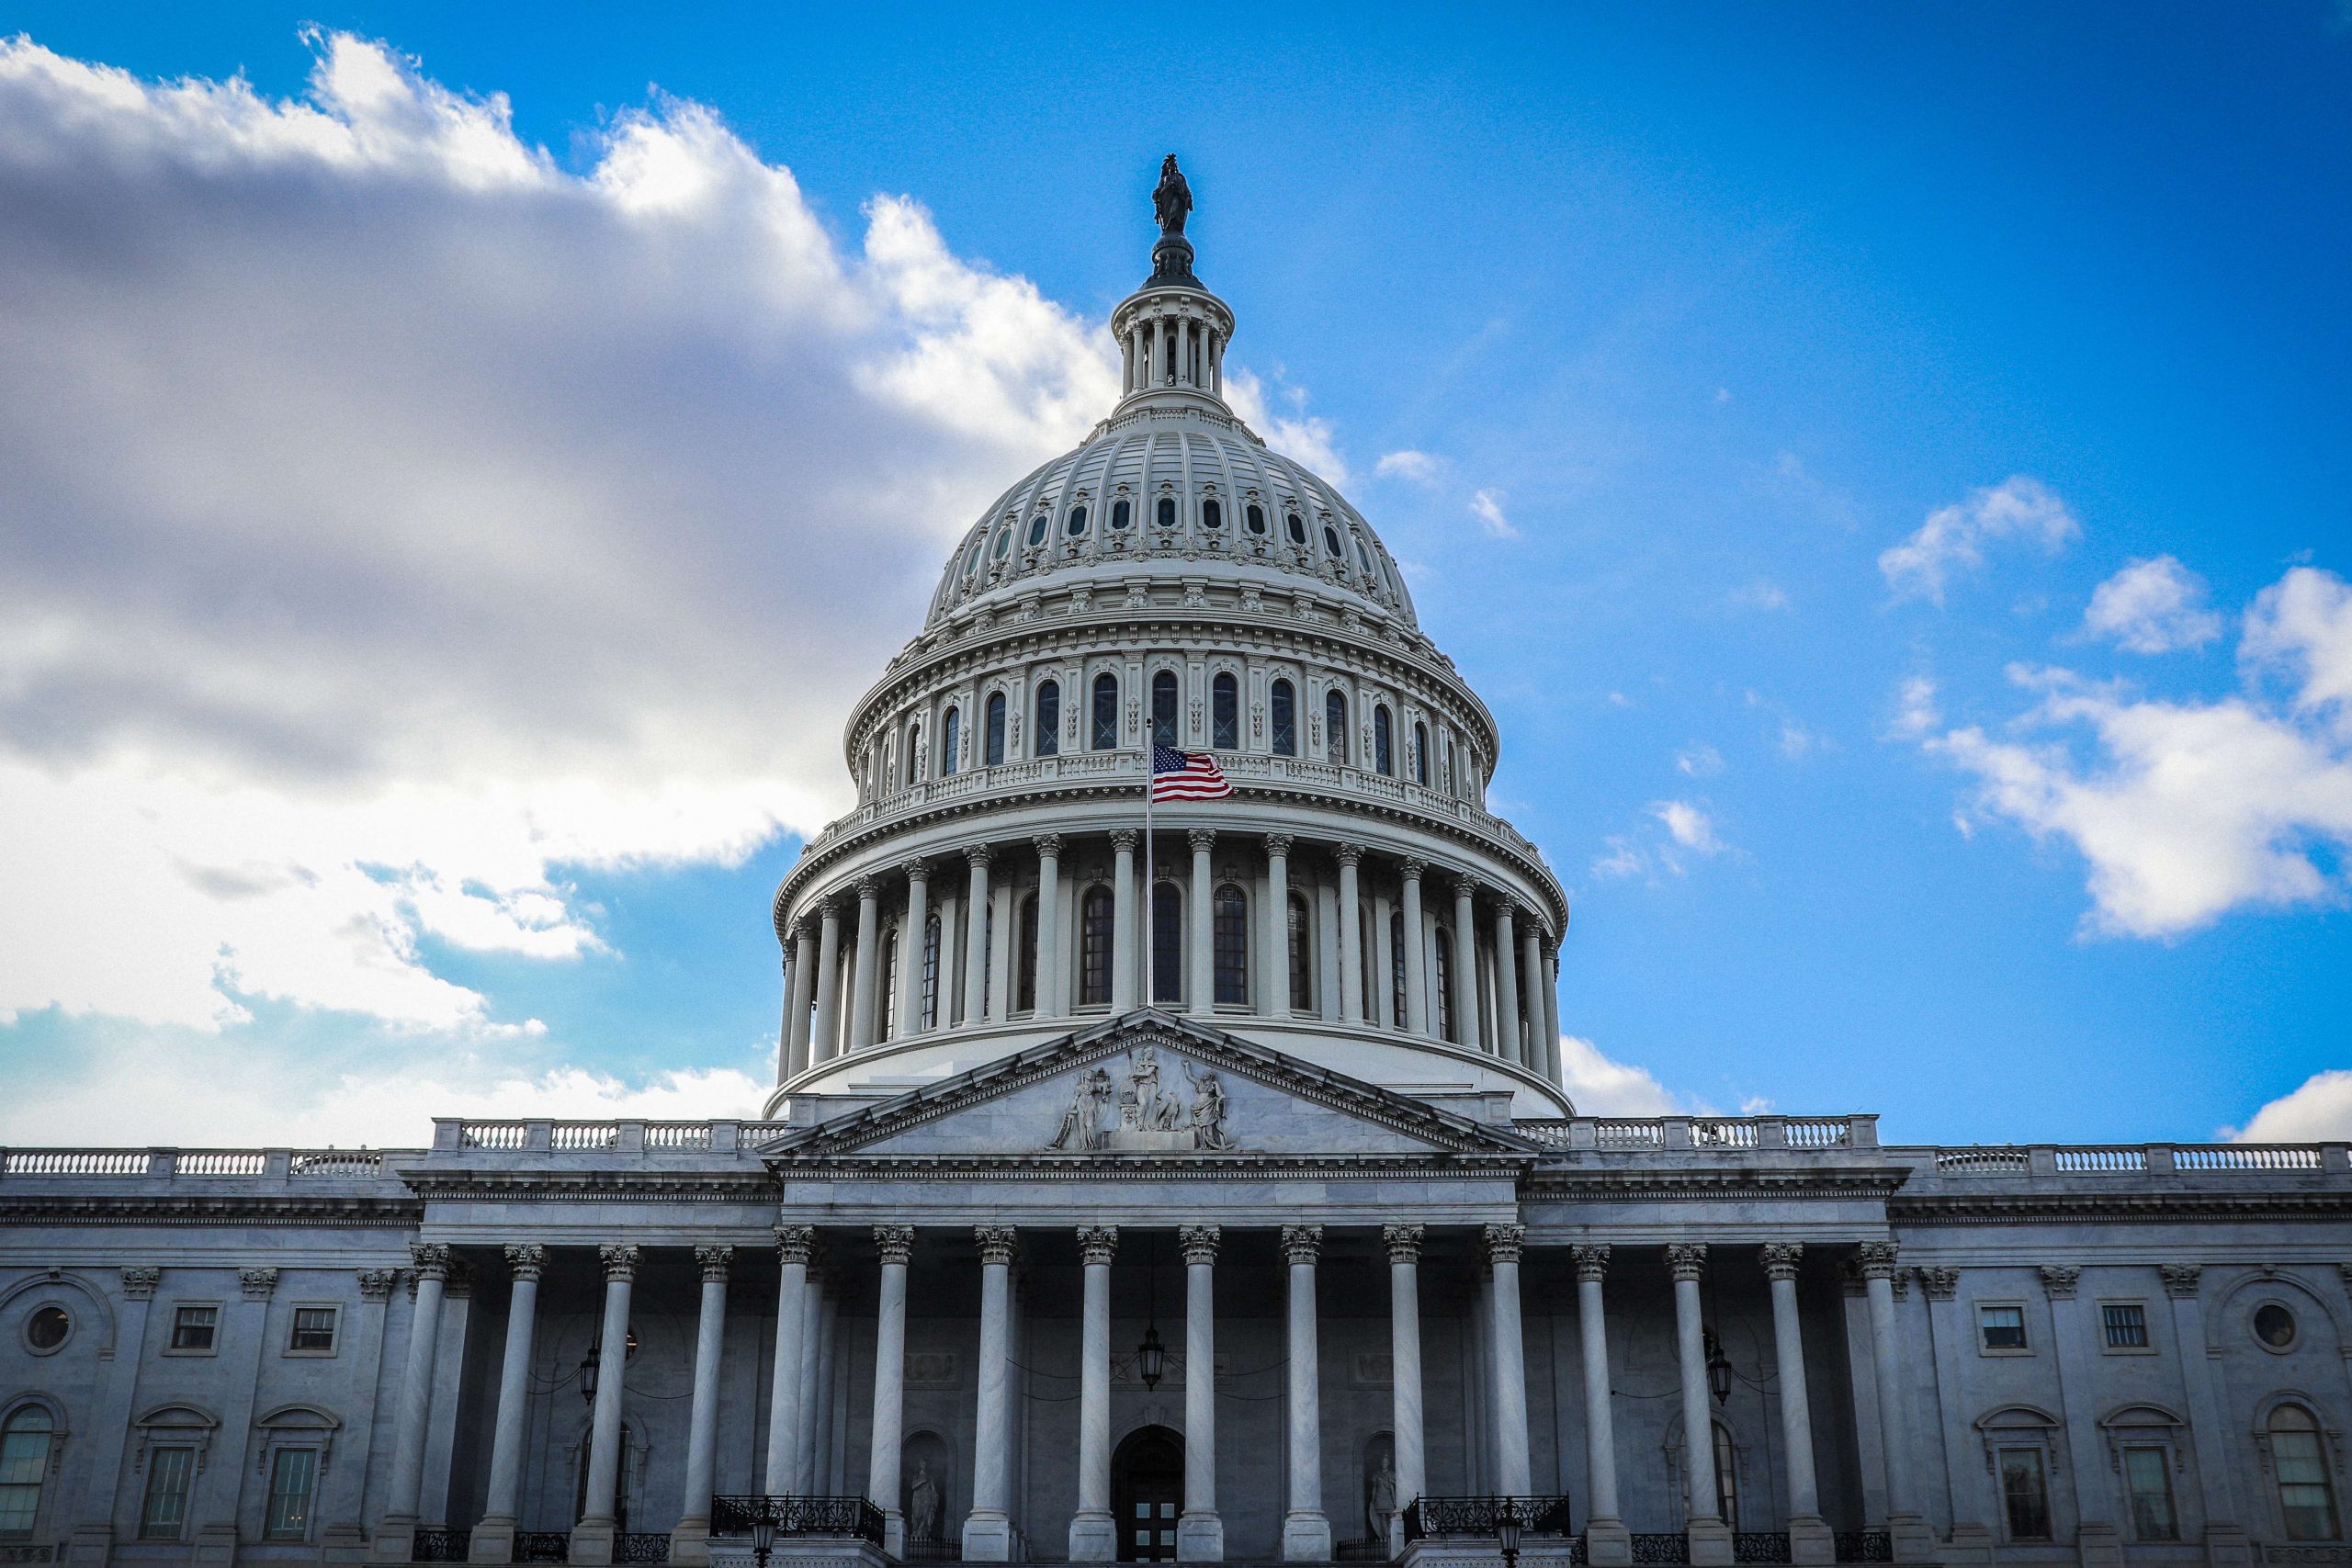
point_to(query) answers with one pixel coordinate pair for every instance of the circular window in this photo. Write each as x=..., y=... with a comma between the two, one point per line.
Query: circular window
x=1119, y=514
x=2274, y=1325
x=1037, y=529
x=1212, y=514
x=48, y=1328
x=1331, y=539
x=1297, y=526
x=1256, y=518
x=1077, y=524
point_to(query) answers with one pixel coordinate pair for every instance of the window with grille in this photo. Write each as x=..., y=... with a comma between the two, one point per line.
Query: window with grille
x=1421, y=755
x=2306, y=1495
x=1383, y=749
x=1282, y=705
x=313, y=1329
x=931, y=972
x=2001, y=1326
x=1232, y=945
x=1301, y=967
x=1095, y=948
x=1335, y=727
x=2125, y=1324
x=1225, y=714
x=293, y=1475
x=1396, y=968
x=995, y=752
x=1025, y=991
x=2147, y=1475
x=24, y=1467
x=163, y=1505
x=1163, y=708
x=2025, y=1494
x=889, y=982
x=192, y=1327
x=951, y=733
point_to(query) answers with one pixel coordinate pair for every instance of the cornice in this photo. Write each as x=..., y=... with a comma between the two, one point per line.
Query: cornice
x=2144, y=1207
x=524, y=1184
x=1139, y=1167
x=1704, y=1184
x=106, y=1209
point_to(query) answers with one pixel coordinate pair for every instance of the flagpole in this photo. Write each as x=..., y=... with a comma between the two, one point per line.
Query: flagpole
x=1150, y=891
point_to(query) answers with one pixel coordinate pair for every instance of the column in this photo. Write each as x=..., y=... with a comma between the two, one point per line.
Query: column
x=689, y=1539
x=1810, y=1540
x=907, y=1011
x=975, y=934
x=863, y=1003
x=1607, y=1544
x=1530, y=956
x=1123, y=921
x=1203, y=936
x=897, y=1246
x=1350, y=857
x=1052, y=981
x=1093, y=1532
x=1200, y=1534
x=1508, y=1044
x=110, y=1413
x=987, y=1531
x=494, y=1539
x=2096, y=1538
x=1914, y=1541
x=1417, y=975
x=1276, y=1002
x=2225, y=1538
x=1466, y=962
x=396, y=1536
x=1710, y=1537
x=825, y=1036
x=1504, y=1244
x=592, y=1537
x=807, y=1430
x=1404, y=1243
x=804, y=993
x=1551, y=1012
x=1306, y=1530
x=793, y=1244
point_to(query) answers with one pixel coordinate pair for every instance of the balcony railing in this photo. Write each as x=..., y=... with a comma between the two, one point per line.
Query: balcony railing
x=441, y=1546
x=797, y=1516
x=1864, y=1546
x=1427, y=1516
x=541, y=1546
x=2103, y=1160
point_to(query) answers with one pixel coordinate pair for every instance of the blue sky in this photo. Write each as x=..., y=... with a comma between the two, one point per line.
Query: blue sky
x=1763, y=399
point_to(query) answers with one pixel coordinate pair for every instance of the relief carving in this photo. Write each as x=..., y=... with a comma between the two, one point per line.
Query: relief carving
x=1141, y=1114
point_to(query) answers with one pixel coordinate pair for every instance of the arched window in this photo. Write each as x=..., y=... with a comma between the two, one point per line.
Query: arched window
x=1296, y=527
x=995, y=729
x=1037, y=526
x=1397, y=1008
x=1212, y=514
x=24, y=1465
x=1727, y=1476
x=1442, y=983
x=1024, y=990
x=1120, y=514
x=1076, y=524
x=1045, y=734
x=1335, y=727
x=1302, y=958
x=1095, y=948
x=951, y=733
x=889, y=984
x=928, y=1012
x=914, y=753
x=2298, y=1459
x=1106, y=712
x=1254, y=516
x=1163, y=708
x=1225, y=714
x=1003, y=541
x=1331, y=542
x=1364, y=556
x=1232, y=944
x=1167, y=943
x=1420, y=754
x=1383, y=756
x=1282, y=703
x=1167, y=512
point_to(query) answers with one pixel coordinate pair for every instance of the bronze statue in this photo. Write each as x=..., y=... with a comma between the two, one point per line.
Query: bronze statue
x=1171, y=199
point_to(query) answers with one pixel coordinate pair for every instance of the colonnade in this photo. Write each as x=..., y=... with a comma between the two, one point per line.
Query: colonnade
x=1172, y=350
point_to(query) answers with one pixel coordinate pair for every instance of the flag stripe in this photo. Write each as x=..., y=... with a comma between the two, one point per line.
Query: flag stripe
x=1186, y=775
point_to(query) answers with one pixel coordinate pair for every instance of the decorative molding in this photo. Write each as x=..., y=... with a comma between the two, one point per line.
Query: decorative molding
x=1048, y=845
x=1203, y=839
x=1940, y=1284
x=1686, y=1260
x=996, y=1243
x=978, y=855
x=1279, y=844
x=895, y=1243
x=1505, y=1243
x=139, y=1284
x=1347, y=854
x=795, y=1244
x=1781, y=1259
x=526, y=1259
x=1409, y=868
x=1097, y=1244
x=1123, y=841
x=1301, y=1243
x=1403, y=1242
x=376, y=1284
x=256, y=1285
x=2181, y=1279
x=916, y=870
x=1591, y=1260
x=715, y=1263
x=1876, y=1260
x=619, y=1260
x=1199, y=1242
x=432, y=1259
x=2059, y=1279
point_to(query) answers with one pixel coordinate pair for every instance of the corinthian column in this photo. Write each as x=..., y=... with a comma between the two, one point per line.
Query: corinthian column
x=592, y=1537
x=398, y=1530
x=1350, y=856
x=827, y=1040
x=793, y=1244
x=907, y=1011
x=1606, y=1540
x=987, y=1531
x=1504, y=1244
x=1275, y=1002
x=1053, y=978
x=1123, y=921
x=897, y=1246
x=1404, y=1243
x=804, y=995
x=690, y=1541
x=1914, y=1540
x=1710, y=1536
x=1200, y=1533
x=1508, y=1045
x=1203, y=964
x=1466, y=962
x=864, y=1000
x=494, y=1539
x=976, y=936
x=1417, y=978
x=1539, y=1049
x=1810, y=1540
x=1306, y=1530
x=1093, y=1532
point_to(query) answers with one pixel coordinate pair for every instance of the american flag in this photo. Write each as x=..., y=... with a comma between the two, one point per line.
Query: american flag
x=1186, y=775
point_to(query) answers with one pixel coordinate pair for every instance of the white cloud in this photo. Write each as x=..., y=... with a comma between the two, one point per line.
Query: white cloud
x=1797, y=740
x=1487, y=506
x=1953, y=539
x=2301, y=628
x=1699, y=761
x=1762, y=594
x=395, y=519
x=1599, y=1086
x=1304, y=437
x=1916, y=712
x=1415, y=467
x=1683, y=830
x=2152, y=606
x=2318, y=1108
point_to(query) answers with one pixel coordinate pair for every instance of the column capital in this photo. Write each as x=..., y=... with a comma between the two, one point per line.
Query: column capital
x=978, y=855
x=1686, y=1260
x=1096, y=1244
x=996, y=1243
x=256, y=1285
x=619, y=1260
x=869, y=889
x=1403, y=1242
x=1551, y=947
x=2180, y=1279
x=2059, y=1279
x=1875, y=1259
x=1301, y=1243
x=714, y=1262
x=1199, y=1242
x=1123, y=840
x=374, y=1284
x=1591, y=1259
x=1505, y=1243
x=1279, y=844
x=917, y=869
x=526, y=1259
x=895, y=1243
x=1511, y=907
x=1466, y=886
x=1781, y=1259
x=1348, y=853
x=431, y=1258
x=1048, y=845
x=1203, y=839
x=139, y=1284
x=829, y=908
x=1411, y=868
x=795, y=1244
x=1940, y=1284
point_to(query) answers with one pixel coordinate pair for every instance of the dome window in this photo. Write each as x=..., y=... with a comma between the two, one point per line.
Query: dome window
x=1422, y=754
x=1254, y=518
x=1168, y=511
x=1106, y=710
x=1037, y=530
x=1335, y=727
x=1364, y=556
x=951, y=736
x=1330, y=543
x=1163, y=708
x=1225, y=713
x=1282, y=703
x=994, y=749
x=1212, y=514
x=1384, y=754
x=972, y=560
x=1003, y=541
x=1046, y=739
x=1077, y=524
x=1297, y=526
x=1119, y=514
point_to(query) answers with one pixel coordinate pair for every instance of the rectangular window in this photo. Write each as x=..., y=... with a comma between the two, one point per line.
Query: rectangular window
x=2002, y=1327
x=2125, y=1324
x=314, y=1331
x=2150, y=1480
x=2304, y=1496
x=24, y=1462
x=163, y=1508
x=2025, y=1494
x=292, y=1475
x=193, y=1328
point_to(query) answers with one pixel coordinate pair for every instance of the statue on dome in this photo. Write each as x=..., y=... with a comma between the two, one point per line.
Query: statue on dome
x=1171, y=199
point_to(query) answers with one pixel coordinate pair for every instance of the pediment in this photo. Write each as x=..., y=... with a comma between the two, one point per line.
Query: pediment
x=1148, y=1085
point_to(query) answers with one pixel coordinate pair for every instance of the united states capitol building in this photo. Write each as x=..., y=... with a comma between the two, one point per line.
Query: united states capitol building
x=1205, y=1196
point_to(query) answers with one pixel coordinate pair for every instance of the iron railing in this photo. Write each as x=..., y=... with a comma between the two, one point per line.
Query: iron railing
x=1426, y=1517
x=1759, y=1546
x=797, y=1516
x=1864, y=1546
x=933, y=1549
x=441, y=1546
x=542, y=1546
x=1671, y=1547
x=1364, y=1550
x=641, y=1546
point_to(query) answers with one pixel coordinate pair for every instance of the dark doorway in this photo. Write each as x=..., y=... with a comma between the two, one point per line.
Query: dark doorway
x=1147, y=1494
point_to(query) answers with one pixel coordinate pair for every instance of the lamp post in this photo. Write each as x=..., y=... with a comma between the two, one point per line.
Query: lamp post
x=1507, y=1524
x=588, y=1367
x=1718, y=1370
x=762, y=1534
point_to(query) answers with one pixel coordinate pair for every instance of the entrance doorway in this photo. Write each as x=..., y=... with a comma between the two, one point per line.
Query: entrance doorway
x=1147, y=1494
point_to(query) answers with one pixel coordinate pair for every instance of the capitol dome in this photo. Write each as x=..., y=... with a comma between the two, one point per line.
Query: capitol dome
x=1173, y=582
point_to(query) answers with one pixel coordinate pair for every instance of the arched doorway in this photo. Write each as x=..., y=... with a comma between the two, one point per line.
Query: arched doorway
x=1147, y=1494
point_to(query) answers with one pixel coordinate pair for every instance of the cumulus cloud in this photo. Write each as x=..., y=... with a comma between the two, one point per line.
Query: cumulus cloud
x=1953, y=539
x=1487, y=506
x=1308, y=438
x=2152, y=606
x=1600, y=1086
x=396, y=520
x=1416, y=468
x=2185, y=809
x=2318, y=1108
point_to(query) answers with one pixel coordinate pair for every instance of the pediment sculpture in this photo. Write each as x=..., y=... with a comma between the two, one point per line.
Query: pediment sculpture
x=1141, y=1113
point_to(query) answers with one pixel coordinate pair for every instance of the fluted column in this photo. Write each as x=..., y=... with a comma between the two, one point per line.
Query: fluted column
x=1093, y=1532
x=1606, y=1541
x=1204, y=938
x=1350, y=856
x=825, y=1036
x=865, y=1001
x=591, y=1538
x=1404, y=1243
x=1914, y=1541
x=897, y=1246
x=1052, y=978
x=494, y=1539
x=1531, y=964
x=1417, y=975
x=804, y=996
x=1306, y=1530
x=1710, y=1536
x=1504, y=1244
x=1200, y=1533
x=976, y=935
x=407, y=1480
x=988, y=1530
x=1466, y=962
x=1508, y=1044
x=1810, y=1540
x=907, y=1011
x=1276, y=1002
x=793, y=1245
x=1123, y=921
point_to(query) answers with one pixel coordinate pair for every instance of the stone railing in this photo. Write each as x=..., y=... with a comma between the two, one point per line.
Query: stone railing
x=1703, y=1134
x=2096, y=1160
x=170, y=1165
x=627, y=1136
